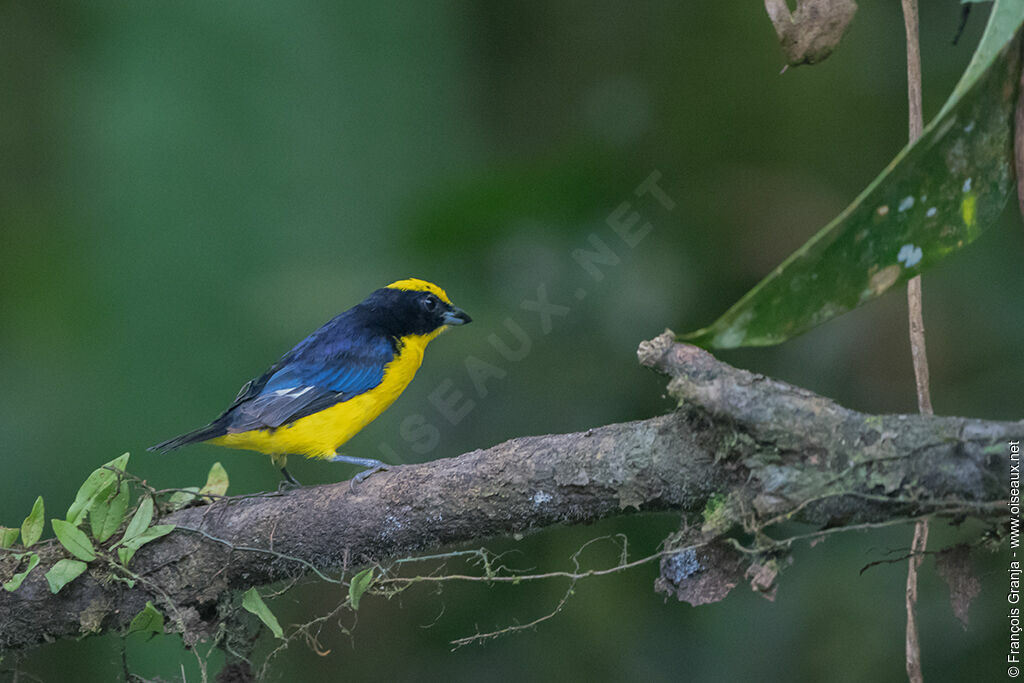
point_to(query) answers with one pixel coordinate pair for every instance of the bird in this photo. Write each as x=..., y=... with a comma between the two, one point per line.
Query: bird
x=335, y=381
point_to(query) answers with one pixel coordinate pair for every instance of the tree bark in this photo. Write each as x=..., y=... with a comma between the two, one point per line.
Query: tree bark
x=769, y=450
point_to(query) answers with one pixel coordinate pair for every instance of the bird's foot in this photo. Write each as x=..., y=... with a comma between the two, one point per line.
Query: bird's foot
x=370, y=464
x=362, y=476
x=288, y=482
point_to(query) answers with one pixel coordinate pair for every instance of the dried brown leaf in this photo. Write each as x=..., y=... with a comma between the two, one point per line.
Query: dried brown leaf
x=811, y=32
x=954, y=566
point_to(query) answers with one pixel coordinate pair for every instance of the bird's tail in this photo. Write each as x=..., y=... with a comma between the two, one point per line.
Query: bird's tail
x=210, y=431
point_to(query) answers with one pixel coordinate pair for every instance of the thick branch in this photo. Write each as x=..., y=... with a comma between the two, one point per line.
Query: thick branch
x=771, y=449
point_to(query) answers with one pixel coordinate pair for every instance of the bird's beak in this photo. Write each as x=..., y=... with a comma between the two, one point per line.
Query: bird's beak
x=456, y=316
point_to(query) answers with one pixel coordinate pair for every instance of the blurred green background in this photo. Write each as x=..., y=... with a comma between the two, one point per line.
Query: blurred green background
x=187, y=189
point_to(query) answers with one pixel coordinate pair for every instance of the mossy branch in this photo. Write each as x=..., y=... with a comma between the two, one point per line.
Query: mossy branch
x=759, y=450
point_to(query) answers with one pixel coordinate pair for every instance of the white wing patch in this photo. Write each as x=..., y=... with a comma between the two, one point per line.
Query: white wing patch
x=292, y=392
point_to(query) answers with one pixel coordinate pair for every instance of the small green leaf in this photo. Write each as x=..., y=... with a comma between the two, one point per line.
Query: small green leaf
x=180, y=499
x=32, y=527
x=122, y=579
x=140, y=520
x=99, y=484
x=216, y=481
x=151, y=534
x=15, y=581
x=64, y=572
x=253, y=602
x=149, y=620
x=74, y=540
x=127, y=551
x=8, y=536
x=358, y=585
x=106, y=515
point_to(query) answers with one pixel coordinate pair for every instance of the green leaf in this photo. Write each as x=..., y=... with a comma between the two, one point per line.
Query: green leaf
x=127, y=551
x=15, y=581
x=99, y=484
x=149, y=620
x=358, y=585
x=126, y=581
x=216, y=481
x=180, y=499
x=140, y=520
x=151, y=534
x=64, y=572
x=106, y=515
x=933, y=199
x=253, y=602
x=8, y=536
x=32, y=527
x=74, y=540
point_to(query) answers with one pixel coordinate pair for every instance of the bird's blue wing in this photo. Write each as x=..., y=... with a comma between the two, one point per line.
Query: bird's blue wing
x=346, y=375
x=314, y=376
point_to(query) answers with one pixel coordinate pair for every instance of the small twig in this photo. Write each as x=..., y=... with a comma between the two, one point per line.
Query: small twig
x=949, y=507
x=167, y=600
x=308, y=565
x=479, y=637
x=910, y=23
x=917, y=549
x=203, y=498
x=305, y=630
x=917, y=344
x=758, y=549
x=916, y=125
x=918, y=352
x=522, y=578
x=906, y=556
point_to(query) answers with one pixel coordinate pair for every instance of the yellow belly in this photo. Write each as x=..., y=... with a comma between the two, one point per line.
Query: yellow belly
x=319, y=435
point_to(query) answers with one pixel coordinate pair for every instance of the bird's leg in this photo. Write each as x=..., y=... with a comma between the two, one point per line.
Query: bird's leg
x=289, y=482
x=370, y=464
x=362, y=462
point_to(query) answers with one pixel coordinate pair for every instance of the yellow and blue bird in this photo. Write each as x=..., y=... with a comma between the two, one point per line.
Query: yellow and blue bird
x=335, y=381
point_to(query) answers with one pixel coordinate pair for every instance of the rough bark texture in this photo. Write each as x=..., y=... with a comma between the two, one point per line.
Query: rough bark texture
x=768, y=449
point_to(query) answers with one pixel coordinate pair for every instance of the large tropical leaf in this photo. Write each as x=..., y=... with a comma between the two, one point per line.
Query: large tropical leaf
x=934, y=198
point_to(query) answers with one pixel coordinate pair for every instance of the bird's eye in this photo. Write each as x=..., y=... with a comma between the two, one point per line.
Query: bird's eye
x=429, y=303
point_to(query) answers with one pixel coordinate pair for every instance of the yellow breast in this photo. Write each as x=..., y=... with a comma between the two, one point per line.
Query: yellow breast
x=319, y=435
